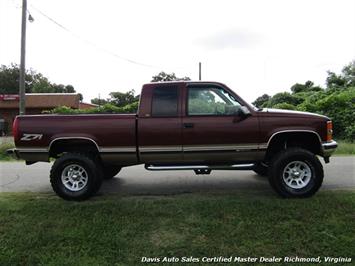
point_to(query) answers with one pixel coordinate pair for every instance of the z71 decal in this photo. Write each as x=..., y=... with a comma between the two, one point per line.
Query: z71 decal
x=28, y=137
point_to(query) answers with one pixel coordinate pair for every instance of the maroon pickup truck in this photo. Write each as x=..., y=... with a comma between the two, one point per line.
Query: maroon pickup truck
x=200, y=126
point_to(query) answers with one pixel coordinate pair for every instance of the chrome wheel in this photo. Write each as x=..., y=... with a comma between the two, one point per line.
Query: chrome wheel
x=74, y=177
x=297, y=174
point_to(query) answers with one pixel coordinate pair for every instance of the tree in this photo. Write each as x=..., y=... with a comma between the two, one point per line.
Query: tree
x=123, y=98
x=349, y=74
x=344, y=80
x=60, y=88
x=162, y=76
x=337, y=101
x=284, y=97
x=339, y=105
x=34, y=82
x=285, y=106
x=262, y=100
x=99, y=101
x=118, y=99
x=334, y=81
x=81, y=97
x=69, y=89
x=42, y=86
x=9, y=79
x=307, y=86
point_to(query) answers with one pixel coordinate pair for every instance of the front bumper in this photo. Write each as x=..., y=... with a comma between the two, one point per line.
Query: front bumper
x=328, y=148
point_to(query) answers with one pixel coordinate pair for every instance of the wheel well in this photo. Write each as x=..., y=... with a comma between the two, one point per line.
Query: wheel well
x=305, y=140
x=72, y=145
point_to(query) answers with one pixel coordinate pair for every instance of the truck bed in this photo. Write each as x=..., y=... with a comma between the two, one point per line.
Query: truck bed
x=110, y=133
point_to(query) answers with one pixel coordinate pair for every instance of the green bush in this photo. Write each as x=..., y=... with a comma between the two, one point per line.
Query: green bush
x=105, y=109
x=337, y=100
x=336, y=103
x=285, y=106
x=5, y=146
x=340, y=107
x=284, y=97
x=350, y=133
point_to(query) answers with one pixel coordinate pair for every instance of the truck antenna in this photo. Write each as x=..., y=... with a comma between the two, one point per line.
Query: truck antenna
x=199, y=71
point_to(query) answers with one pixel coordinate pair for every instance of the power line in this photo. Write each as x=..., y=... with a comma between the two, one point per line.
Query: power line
x=91, y=43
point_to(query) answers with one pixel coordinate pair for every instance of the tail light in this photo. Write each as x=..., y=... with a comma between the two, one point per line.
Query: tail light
x=15, y=130
x=329, y=130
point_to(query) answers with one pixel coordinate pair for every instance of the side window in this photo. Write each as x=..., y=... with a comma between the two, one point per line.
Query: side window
x=165, y=101
x=211, y=101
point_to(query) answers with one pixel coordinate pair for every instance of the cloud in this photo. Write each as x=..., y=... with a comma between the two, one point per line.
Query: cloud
x=229, y=39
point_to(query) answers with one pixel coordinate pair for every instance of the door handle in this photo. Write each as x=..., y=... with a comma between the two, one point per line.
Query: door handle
x=188, y=125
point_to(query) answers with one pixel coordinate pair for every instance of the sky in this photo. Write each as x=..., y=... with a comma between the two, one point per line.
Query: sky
x=252, y=46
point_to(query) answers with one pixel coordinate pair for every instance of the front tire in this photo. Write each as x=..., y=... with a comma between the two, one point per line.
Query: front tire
x=75, y=176
x=296, y=173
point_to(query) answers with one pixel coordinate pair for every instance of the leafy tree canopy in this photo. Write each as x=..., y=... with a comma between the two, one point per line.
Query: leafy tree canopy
x=344, y=80
x=99, y=101
x=121, y=99
x=118, y=99
x=262, y=100
x=10, y=76
x=306, y=87
x=337, y=101
x=284, y=97
x=34, y=82
x=162, y=76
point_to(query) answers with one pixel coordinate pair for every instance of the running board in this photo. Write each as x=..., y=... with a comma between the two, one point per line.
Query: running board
x=152, y=167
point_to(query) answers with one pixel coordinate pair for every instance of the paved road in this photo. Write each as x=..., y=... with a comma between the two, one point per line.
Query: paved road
x=135, y=180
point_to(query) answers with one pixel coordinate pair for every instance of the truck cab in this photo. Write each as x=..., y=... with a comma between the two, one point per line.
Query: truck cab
x=197, y=123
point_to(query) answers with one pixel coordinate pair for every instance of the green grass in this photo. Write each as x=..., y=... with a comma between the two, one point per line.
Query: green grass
x=40, y=229
x=4, y=145
x=345, y=148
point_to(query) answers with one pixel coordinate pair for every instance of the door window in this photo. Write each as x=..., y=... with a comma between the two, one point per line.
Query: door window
x=211, y=101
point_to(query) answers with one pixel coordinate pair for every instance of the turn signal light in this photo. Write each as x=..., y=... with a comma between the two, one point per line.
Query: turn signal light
x=329, y=130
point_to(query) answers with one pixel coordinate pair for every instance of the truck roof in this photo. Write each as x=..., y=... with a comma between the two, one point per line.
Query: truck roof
x=184, y=82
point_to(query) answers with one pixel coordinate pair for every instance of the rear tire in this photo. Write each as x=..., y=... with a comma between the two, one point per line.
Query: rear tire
x=75, y=176
x=296, y=173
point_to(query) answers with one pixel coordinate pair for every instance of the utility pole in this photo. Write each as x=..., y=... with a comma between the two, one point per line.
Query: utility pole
x=22, y=92
x=199, y=71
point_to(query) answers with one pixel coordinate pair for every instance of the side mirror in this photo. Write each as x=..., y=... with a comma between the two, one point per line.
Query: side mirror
x=244, y=111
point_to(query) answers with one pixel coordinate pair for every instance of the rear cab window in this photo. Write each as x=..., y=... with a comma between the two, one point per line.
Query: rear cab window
x=165, y=101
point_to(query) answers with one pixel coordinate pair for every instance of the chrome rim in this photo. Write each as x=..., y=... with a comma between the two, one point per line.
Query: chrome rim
x=297, y=174
x=74, y=177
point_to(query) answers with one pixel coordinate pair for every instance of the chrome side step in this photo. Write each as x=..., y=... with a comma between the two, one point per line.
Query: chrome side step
x=152, y=167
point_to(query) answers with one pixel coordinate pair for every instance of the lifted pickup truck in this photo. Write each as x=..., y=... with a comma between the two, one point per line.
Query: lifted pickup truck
x=200, y=126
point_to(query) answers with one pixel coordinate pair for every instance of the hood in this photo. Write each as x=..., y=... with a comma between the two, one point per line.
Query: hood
x=290, y=113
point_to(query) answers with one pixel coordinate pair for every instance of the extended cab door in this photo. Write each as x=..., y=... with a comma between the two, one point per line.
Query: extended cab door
x=160, y=124
x=214, y=128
